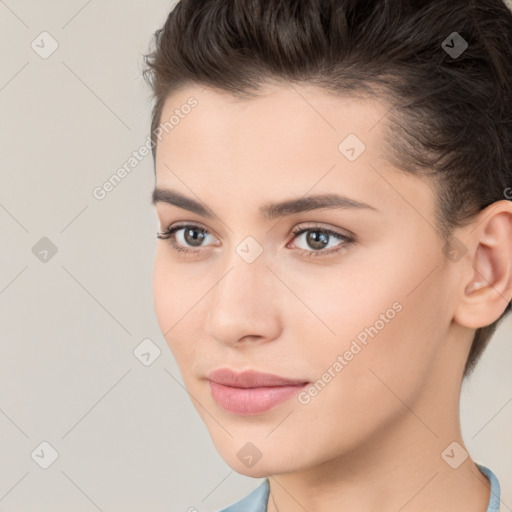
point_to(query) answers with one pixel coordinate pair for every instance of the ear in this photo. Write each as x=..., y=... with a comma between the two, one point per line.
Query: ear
x=486, y=288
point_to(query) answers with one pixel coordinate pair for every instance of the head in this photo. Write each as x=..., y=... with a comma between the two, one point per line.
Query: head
x=361, y=99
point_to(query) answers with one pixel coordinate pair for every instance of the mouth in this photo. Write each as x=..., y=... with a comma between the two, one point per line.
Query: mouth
x=251, y=392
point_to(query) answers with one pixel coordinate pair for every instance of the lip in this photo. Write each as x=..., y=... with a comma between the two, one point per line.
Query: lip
x=251, y=392
x=249, y=379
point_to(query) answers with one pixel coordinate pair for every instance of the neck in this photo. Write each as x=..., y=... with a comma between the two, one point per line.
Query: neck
x=388, y=477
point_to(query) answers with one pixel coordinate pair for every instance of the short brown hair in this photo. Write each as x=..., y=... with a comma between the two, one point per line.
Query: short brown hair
x=451, y=115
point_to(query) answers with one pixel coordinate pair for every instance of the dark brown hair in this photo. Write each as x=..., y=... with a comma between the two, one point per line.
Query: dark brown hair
x=450, y=115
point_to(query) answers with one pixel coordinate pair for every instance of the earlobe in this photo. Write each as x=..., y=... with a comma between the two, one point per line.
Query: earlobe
x=488, y=289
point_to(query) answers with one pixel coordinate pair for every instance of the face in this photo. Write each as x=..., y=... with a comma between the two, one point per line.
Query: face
x=354, y=300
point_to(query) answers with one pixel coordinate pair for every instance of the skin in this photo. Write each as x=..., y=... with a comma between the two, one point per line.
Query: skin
x=372, y=439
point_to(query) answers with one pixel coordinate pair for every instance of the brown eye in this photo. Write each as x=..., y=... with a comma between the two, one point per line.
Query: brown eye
x=317, y=239
x=193, y=236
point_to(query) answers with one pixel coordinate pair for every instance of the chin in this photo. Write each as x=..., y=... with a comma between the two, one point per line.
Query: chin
x=260, y=470
x=267, y=462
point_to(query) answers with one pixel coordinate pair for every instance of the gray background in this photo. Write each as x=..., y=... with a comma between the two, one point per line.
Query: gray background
x=127, y=435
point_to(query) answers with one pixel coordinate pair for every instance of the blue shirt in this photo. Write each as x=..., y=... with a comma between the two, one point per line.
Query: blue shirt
x=256, y=501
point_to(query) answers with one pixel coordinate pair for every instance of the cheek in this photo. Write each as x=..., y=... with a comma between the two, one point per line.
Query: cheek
x=162, y=292
x=365, y=391
x=389, y=324
x=176, y=298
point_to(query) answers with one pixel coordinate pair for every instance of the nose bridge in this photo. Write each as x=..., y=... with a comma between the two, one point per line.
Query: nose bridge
x=241, y=280
x=241, y=300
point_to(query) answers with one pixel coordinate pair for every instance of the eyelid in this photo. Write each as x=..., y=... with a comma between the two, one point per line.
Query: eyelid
x=304, y=226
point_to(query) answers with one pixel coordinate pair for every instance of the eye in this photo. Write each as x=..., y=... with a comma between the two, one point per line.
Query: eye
x=192, y=234
x=318, y=239
x=184, y=236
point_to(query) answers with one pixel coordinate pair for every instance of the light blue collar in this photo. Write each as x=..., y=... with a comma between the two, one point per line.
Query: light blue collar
x=256, y=501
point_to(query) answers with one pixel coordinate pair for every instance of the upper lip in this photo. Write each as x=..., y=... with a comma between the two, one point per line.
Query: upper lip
x=250, y=379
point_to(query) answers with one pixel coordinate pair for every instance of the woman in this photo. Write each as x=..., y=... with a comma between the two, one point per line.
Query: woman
x=333, y=185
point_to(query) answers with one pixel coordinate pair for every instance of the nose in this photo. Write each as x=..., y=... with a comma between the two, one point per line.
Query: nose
x=243, y=305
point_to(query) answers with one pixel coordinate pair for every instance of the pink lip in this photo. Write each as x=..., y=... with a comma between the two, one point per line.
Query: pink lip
x=251, y=392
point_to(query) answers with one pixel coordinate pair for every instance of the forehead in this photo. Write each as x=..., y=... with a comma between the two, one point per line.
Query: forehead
x=289, y=140
x=305, y=117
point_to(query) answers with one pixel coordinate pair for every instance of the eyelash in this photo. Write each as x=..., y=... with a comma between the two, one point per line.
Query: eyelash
x=348, y=240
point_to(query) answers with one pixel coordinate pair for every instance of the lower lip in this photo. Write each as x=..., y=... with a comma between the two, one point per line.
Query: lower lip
x=247, y=401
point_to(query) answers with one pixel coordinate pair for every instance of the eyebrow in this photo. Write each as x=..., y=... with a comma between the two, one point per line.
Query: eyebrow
x=269, y=210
